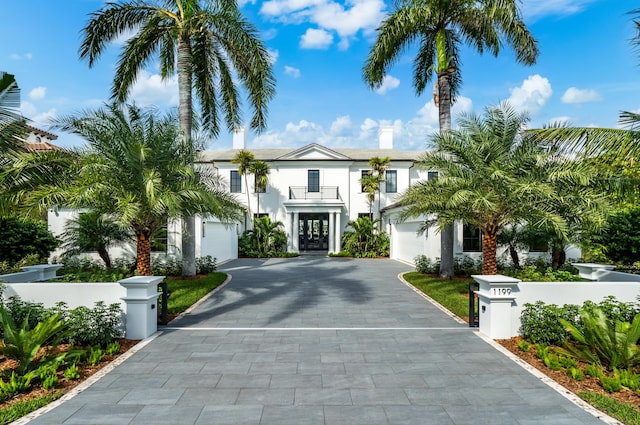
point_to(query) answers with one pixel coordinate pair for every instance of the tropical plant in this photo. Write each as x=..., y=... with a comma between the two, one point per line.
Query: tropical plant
x=209, y=45
x=599, y=341
x=136, y=169
x=244, y=159
x=265, y=238
x=23, y=343
x=12, y=124
x=365, y=240
x=440, y=28
x=260, y=170
x=492, y=177
x=92, y=231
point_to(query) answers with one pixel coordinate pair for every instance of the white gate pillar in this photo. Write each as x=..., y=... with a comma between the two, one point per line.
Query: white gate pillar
x=142, y=305
x=496, y=298
x=338, y=233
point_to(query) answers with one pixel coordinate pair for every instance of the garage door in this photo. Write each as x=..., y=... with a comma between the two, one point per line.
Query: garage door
x=408, y=243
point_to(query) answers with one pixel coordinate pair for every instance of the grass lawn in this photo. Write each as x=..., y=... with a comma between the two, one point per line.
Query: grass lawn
x=184, y=293
x=448, y=292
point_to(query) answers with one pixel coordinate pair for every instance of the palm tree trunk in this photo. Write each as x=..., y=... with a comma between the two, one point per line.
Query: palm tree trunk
x=489, y=248
x=444, y=115
x=143, y=254
x=185, y=112
x=246, y=185
x=104, y=255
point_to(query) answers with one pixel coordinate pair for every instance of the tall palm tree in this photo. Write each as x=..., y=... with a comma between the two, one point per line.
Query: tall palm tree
x=370, y=184
x=244, y=159
x=379, y=166
x=260, y=171
x=208, y=44
x=492, y=177
x=440, y=27
x=136, y=169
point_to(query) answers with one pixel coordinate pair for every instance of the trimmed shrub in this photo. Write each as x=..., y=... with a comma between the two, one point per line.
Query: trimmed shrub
x=20, y=237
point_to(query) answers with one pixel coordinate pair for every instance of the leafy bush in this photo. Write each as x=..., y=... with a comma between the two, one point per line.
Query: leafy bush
x=575, y=373
x=594, y=370
x=100, y=325
x=15, y=385
x=72, y=372
x=619, y=240
x=95, y=355
x=206, y=265
x=524, y=346
x=613, y=345
x=113, y=348
x=50, y=382
x=424, y=265
x=532, y=273
x=466, y=266
x=540, y=322
x=628, y=379
x=167, y=266
x=365, y=240
x=265, y=240
x=611, y=384
x=20, y=237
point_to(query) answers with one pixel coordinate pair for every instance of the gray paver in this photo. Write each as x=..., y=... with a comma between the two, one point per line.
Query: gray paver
x=302, y=361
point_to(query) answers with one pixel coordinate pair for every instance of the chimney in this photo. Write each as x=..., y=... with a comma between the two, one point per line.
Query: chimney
x=239, y=138
x=385, y=136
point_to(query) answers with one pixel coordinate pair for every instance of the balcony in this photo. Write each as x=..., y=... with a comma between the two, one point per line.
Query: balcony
x=325, y=192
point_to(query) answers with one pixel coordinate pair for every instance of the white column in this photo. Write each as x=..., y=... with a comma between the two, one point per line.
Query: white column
x=142, y=299
x=294, y=234
x=331, y=232
x=496, y=298
x=338, y=232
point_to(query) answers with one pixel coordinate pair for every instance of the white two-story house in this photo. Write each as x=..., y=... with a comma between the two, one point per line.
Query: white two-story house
x=314, y=191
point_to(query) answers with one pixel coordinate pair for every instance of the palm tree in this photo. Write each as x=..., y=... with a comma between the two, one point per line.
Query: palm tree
x=379, y=166
x=492, y=177
x=92, y=231
x=441, y=27
x=260, y=170
x=24, y=176
x=267, y=235
x=244, y=159
x=370, y=184
x=209, y=45
x=136, y=169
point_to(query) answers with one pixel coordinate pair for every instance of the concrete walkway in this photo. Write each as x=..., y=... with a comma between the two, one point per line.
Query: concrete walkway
x=314, y=340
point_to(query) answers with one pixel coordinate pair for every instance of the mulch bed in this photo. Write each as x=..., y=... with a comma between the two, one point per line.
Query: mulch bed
x=560, y=376
x=65, y=385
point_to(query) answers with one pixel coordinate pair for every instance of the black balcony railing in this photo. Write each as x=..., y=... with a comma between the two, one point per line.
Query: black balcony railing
x=324, y=192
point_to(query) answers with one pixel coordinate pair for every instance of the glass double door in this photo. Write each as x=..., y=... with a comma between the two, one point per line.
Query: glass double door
x=313, y=231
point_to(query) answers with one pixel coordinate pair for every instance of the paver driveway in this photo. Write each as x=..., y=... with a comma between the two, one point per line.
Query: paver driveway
x=314, y=340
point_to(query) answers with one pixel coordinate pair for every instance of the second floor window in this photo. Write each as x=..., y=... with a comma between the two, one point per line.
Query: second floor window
x=391, y=181
x=471, y=239
x=432, y=175
x=236, y=182
x=313, y=180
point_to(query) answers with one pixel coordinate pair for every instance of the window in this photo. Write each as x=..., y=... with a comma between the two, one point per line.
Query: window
x=260, y=215
x=256, y=187
x=159, y=240
x=471, y=239
x=236, y=182
x=369, y=216
x=363, y=174
x=538, y=242
x=432, y=175
x=391, y=181
x=313, y=180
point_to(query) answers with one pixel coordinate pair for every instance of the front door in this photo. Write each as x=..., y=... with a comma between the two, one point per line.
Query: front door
x=313, y=231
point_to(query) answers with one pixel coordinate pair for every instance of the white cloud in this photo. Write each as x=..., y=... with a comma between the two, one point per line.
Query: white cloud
x=150, y=89
x=316, y=39
x=38, y=93
x=28, y=109
x=44, y=118
x=341, y=125
x=291, y=71
x=346, y=19
x=532, y=95
x=575, y=95
x=540, y=8
x=388, y=83
x=273, y=56
x=18, y=56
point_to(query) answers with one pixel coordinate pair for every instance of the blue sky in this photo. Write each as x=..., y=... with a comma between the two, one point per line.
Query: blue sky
x=587, y=71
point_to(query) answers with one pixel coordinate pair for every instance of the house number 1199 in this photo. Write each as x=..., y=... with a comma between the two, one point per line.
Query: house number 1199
x=501, y=291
